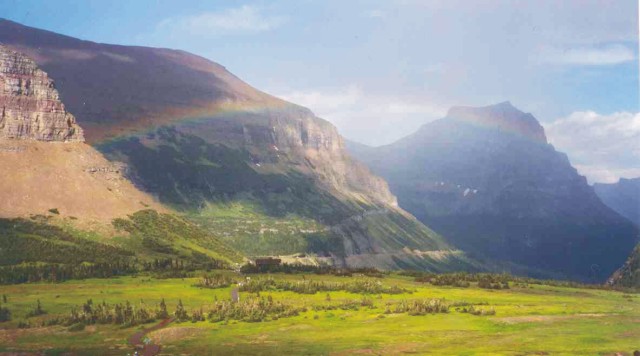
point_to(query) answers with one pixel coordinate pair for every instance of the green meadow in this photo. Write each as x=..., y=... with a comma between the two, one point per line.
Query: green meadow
x=528, y=318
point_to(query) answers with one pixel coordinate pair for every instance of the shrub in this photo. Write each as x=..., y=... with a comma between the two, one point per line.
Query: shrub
x=76, y=327
x=251, y=310
x=476, y=311
x=5, y=314
x=215, y=281
x=421, y=307
x=37, y=310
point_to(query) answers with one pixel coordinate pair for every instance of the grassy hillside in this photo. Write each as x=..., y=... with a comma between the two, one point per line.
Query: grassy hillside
x=38, y=249
x=312, y=314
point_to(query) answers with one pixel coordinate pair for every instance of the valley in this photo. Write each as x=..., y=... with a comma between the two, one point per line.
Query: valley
x=154, y=203
x=530, y=317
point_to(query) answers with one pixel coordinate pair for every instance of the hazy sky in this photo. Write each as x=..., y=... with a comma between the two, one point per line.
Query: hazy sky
x=380, y=69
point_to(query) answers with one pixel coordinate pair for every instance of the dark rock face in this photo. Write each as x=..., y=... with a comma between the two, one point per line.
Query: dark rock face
x=487, y=179
x=30, y=107
x=623, y=197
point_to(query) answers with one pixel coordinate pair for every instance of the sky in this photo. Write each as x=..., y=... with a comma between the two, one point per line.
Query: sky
x=379, y=69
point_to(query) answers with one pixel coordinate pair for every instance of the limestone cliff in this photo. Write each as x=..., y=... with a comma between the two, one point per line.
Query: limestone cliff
x=29, y=103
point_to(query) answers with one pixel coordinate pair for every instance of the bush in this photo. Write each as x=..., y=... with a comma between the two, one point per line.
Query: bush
x=476, y=311
x=37, y=310
x=359, y=286
x=76, y=327
x=215, y=281
x=252, y=310
x=5, y=314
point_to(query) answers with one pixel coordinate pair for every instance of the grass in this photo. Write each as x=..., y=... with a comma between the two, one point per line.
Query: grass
x=245, y=226
x=529, y=319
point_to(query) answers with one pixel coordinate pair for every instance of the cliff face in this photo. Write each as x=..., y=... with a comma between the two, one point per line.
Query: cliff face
x=29, y=103
x=487, y=179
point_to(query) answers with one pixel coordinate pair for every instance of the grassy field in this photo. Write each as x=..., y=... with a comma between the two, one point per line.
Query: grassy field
x=529, y=319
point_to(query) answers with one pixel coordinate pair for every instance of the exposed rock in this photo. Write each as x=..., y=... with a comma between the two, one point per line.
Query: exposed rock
x=29, y=103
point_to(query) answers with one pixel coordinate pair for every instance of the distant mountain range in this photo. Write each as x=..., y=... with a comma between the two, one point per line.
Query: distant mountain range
x=265, y=175
x=623, y=197
x=487, y=179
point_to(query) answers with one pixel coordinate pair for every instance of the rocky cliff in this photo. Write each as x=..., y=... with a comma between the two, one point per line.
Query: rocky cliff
x=487, y=179
x=29, y=102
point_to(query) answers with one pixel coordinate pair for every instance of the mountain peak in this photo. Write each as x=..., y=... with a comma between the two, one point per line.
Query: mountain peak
x=502, y=116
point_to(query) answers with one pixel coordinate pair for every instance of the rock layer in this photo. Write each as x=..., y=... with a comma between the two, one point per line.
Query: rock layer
x=30, y=107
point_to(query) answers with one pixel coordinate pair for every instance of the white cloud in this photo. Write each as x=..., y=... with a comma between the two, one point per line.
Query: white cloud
x=244, y=19
x=613, y=54
x=364, y=117
x=603, y=147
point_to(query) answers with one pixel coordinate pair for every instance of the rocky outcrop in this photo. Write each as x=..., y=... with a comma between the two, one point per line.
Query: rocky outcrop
x=30, y=107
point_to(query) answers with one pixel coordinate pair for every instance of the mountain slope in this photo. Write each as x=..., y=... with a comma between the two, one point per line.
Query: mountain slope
x=623, y=197
x=487, y=179
x=61, y=199
x=199, y=138
x=629, y=274
x=46, y=164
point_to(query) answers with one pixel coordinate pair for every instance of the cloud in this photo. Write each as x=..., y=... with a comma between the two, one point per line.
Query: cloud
x=602, y=147
x=244, y=19
x=364, y=117
x=612, y=54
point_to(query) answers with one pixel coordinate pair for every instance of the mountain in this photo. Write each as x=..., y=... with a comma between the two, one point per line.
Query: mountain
x=623, y=197
x=266, y=175
x=488, y=180
x=46, y=164
x=66, y=210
